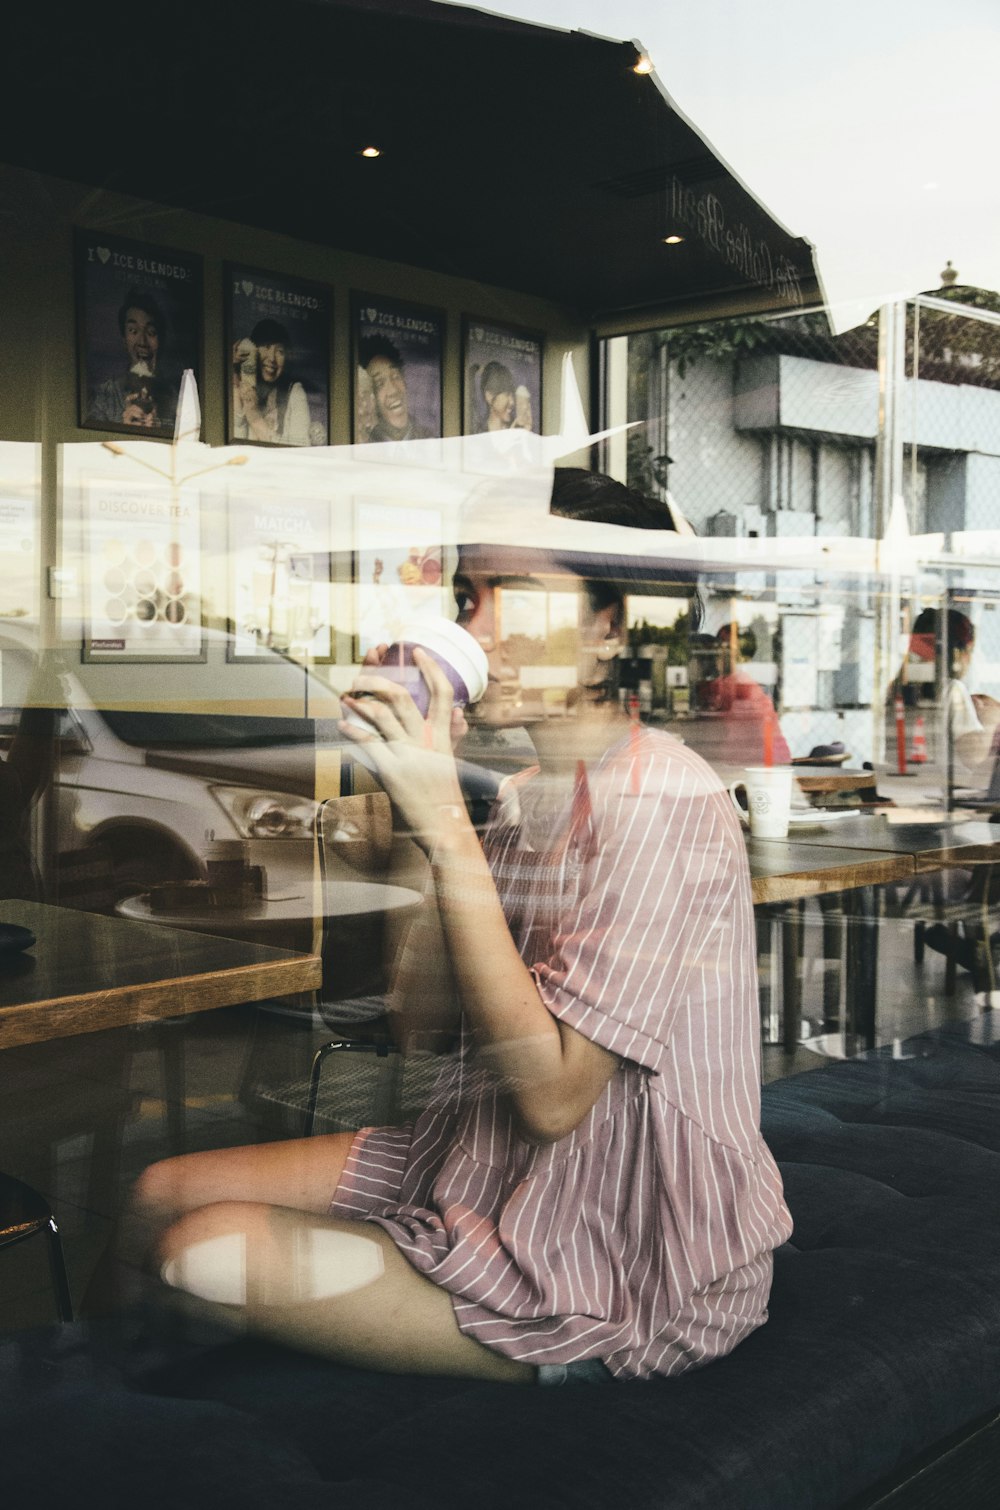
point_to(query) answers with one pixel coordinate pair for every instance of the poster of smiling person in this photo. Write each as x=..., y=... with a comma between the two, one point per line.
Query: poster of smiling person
x=278, y=348
x=503, y=378
x=397, y=370
x=139, y=327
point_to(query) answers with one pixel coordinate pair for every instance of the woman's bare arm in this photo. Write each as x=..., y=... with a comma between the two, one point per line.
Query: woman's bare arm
x=552, y=1074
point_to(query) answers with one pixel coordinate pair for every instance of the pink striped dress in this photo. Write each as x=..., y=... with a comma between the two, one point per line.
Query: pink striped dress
x=644, y=1238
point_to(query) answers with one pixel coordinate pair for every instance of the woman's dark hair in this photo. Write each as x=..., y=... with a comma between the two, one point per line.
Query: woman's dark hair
x=599, y=499
x=927, y=629
x=961, y=631
x=579, y=494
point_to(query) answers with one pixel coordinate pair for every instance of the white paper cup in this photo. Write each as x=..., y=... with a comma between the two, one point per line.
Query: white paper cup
x=461, y=658
x=769, y=797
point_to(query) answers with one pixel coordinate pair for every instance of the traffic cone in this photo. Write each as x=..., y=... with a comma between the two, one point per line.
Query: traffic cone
x=918, y=754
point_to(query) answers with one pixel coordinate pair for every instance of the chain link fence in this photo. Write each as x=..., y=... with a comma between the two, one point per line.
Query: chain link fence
x=769, y=427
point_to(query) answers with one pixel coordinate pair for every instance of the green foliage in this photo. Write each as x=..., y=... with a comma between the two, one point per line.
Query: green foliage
x=807, y=334
x=957, y=348
x=722, y=339
x=675, y=636
x=952, y=349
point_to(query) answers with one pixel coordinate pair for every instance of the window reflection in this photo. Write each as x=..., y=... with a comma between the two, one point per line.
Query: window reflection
x=722, y=813
x=20, y=496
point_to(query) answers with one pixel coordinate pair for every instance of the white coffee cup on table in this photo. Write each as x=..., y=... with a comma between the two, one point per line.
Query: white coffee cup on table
x=768, y=791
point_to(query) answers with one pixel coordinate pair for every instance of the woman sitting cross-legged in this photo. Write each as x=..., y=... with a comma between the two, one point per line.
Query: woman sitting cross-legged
x=587, y=1194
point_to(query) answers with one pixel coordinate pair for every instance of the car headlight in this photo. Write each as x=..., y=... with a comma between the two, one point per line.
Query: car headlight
x=267, y=815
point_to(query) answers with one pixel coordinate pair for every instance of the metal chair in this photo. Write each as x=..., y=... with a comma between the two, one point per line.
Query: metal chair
x=965, y=932
x=356, y=831
x=384, y=1085
x=354, y=838
x=25, y=1213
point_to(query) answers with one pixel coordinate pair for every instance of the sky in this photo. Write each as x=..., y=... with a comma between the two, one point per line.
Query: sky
x=871, y=127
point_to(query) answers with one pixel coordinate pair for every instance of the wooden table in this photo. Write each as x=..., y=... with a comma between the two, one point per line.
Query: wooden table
x=957, y=839
x=789, y=870
x=821, y=778
x=813, y=779
x=967, y=843
x=785, y=872
x=854, y=855
x=88, y=972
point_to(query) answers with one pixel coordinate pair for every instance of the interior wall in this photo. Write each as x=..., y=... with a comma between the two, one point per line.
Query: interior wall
x=38, y=377
x=38, y=388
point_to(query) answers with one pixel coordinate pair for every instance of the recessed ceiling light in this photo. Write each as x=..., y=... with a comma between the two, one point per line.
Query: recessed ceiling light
x=371, y=151
x=672, y=240
x=643, y=63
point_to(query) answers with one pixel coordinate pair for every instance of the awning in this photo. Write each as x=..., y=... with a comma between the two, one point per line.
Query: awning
x=520, y=156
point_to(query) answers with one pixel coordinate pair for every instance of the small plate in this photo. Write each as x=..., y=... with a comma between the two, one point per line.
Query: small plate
x=819, y=817
x=14, y=940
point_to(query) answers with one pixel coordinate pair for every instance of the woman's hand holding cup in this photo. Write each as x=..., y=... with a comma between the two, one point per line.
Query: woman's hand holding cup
x=411, y=754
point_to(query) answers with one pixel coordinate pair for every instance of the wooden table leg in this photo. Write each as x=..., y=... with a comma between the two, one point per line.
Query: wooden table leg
x=791, y=982
x=833, y=950
x=764, y=926
x=862, y=909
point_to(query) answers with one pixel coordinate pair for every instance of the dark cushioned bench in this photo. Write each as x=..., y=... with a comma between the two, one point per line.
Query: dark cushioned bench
x=882, y=1350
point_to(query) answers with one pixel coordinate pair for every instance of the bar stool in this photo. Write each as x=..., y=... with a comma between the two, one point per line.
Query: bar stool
x=25, y=1213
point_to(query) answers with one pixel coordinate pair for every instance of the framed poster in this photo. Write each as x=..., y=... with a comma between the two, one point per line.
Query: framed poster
x=138, y=328
x=502, y=368
x=399, y=574
x=142, y=549
x=278, y=358
x=397, y=361
x=19, y=553
x=278, y=602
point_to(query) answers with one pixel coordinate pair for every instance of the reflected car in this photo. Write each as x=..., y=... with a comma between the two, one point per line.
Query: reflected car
x=158, y=792
x=157, y=795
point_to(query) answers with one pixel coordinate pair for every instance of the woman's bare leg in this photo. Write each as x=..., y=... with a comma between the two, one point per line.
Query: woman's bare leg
x=302, y=1173
x=339, y=1288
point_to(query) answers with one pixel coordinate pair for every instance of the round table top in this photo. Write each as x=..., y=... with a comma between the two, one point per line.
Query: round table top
x=338, y=899
x=822, y=778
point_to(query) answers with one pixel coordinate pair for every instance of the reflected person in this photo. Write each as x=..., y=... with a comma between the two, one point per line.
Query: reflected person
x=141, y=396
x=971, y=719
x=383, y=362
x=268, y=404
x=587, y=1194
x=496, y=384
x=748, y=712
x=364, y=406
